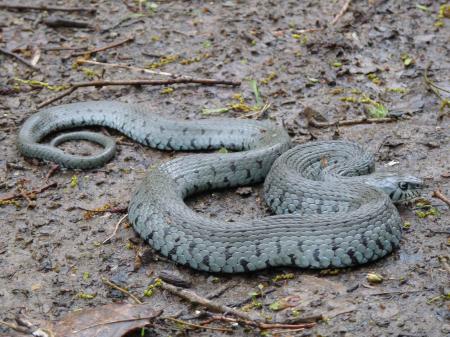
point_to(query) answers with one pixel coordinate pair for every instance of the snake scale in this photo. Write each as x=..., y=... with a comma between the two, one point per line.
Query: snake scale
x=330, y=209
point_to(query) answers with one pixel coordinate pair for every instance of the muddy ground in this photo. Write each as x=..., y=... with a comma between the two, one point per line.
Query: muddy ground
x=51, y=255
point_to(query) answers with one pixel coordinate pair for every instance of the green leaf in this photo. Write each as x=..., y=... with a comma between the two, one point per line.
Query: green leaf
x=214, y=111
x=275, y=306
x=423, y=8
x=222, y=150
x=378, y=111
x=207, y=44
x=74, y=181
x=254, y=86
x=407, y=61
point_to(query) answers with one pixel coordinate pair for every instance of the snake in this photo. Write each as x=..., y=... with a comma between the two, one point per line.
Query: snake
x=329, y=208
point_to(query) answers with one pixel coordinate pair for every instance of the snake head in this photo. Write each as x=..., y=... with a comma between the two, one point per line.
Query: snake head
x=400, y=188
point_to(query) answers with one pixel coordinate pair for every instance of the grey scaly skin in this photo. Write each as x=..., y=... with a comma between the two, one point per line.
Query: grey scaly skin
x=327, y=215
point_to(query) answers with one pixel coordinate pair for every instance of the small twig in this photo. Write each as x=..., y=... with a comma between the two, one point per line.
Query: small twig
x=433, y=86
x=439, y=232
x=241, y=317
x=348, y=122
x=31, y=203
x=19, y=194
x=308, y=319
x=439, y=195
x=18, y=57
x=48, y=8
x=116, y=228
x=125, y=66
x=120, y=23
x=115, y=286
x=309, y=30
x=179, y=321
x=261, y=325
x=258, y=113
x=15, y=327
x=101, y=83
x=32, y=328
x=341, y=12
x=179, y=80
x=62, y=48
x=250, y=298
x=156, y=314
x=398, y=292
x=107, y=210
x=195, y=298
x=56, y=98
x=112, y=45
x=59, y=22
x=52, y=171
x=332, y=22
x=220, y=290
x=286, y=326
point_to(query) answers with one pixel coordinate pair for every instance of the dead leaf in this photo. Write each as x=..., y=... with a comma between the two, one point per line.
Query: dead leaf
x=312, y=114
x=287, y=302
x=111, y=320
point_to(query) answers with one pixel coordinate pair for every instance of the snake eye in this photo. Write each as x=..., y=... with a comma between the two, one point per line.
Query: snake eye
x=403, y=186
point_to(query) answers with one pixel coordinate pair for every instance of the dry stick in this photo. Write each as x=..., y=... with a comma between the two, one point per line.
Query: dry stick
x=115, y=286
x=48, y=8
x=157, y=314
x=52, y=171
x=15, y=327
x=261, y=325
x=101, y=83
x=250, y=298
x=348, y=122
x=36, y=191
x=438, y=194
x=126, y=66
x=196, y=325
x=31, y=203
x=399, y=292
x=56, y=98
x=220, y=291
x=19, y=58
x=194, y=298
x=309, y=30
x=295, y=321
x=60, y=22
x=431, y=84
x=116, y=228
x=179, y=80
x=258, y=113
x=341, y=12
x=108, y=210
x=63, y=48
x=216, y=307
x=332, y=22
x=113, y=45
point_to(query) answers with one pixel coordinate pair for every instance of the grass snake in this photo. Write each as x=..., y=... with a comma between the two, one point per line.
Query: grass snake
x=330, y=209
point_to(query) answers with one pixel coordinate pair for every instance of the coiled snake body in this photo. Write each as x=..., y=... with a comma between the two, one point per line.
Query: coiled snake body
x=326, y=214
